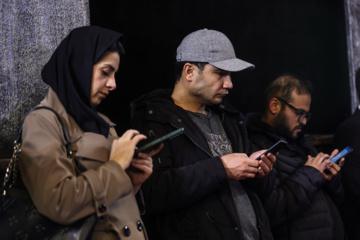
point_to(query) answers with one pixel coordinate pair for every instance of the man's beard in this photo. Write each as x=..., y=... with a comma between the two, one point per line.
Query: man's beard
x=282, y=128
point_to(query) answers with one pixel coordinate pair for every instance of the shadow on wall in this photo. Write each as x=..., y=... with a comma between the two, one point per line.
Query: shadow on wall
x=6, y=147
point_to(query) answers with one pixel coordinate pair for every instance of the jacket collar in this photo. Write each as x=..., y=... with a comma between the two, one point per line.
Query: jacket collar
x=158, y=106
x=163, y=97
x=256, y=127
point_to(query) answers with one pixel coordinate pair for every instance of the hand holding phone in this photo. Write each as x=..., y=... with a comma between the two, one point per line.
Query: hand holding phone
x=336, y=159
x=153, y=144
x=274, y=148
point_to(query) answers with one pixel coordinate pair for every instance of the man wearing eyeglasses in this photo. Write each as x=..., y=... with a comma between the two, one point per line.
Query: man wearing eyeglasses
x=303, y=202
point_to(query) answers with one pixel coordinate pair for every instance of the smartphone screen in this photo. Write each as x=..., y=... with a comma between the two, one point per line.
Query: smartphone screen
x=341, y=154
x=336, y=159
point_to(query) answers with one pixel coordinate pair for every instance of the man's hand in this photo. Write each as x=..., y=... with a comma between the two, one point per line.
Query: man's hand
x=333, y=168
x=319, y=162
x=265, y=163
x=239, y=166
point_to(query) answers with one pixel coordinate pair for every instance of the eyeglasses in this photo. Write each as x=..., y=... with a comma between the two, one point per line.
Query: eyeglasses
x=301, y=113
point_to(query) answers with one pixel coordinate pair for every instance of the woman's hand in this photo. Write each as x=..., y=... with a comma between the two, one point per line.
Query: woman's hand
x=123, y=148
x=141, y=167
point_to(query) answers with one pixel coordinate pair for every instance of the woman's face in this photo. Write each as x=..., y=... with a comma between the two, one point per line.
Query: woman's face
x=103, y=77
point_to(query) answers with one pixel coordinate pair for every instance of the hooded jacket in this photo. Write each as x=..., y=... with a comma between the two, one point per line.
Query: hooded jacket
x=188, y=195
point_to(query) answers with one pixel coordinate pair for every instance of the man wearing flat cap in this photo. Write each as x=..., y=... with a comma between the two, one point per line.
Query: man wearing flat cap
x=204, y=182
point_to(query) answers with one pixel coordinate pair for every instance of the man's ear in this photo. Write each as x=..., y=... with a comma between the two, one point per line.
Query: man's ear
x=188, y=71
x=274, y=106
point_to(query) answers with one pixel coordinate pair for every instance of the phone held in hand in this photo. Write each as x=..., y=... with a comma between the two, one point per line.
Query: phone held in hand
x=274, y=148
x=155, y=143
x=341, y=154
x=336, y=159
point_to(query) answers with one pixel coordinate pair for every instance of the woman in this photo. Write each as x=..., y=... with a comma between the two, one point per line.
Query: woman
x=81, y=73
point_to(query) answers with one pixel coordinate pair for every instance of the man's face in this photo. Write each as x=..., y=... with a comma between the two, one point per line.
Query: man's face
x=211, y=85
x=287, y=122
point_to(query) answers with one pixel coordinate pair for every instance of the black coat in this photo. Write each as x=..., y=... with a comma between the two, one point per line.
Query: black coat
x=182, y=196
x=348, y=134
x=301, y=204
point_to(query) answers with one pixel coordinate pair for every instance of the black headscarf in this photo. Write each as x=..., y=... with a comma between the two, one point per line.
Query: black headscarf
x=69, y=73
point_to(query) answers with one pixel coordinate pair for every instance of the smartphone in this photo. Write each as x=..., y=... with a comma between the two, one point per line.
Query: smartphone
x=341, y=154
x=155, y=143
x=336, y=159
x=274, y=148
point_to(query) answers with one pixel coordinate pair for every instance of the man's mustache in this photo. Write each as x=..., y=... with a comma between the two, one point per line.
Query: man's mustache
x=300, y=126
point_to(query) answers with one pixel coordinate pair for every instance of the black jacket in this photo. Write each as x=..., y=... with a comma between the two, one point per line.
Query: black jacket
x=182, y=196
x=302, y=205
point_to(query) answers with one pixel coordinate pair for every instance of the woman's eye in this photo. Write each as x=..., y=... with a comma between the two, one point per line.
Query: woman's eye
x=105, y=73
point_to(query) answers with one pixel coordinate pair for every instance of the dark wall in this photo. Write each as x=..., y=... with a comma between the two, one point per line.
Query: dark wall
x=306, y=37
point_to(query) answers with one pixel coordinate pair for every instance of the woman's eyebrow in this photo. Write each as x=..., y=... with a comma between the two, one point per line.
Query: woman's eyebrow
x=110, y=66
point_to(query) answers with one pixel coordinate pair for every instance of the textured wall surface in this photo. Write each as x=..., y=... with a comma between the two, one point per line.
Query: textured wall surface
x=352, y=8
x=29, y=32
